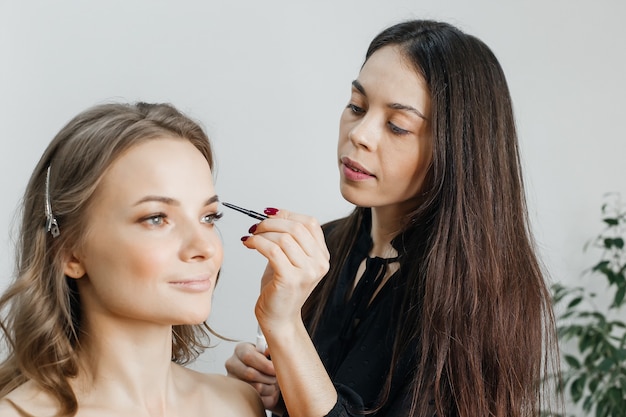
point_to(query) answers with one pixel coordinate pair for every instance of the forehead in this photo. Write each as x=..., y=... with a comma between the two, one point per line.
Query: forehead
x=158, y=165
x=390, y=75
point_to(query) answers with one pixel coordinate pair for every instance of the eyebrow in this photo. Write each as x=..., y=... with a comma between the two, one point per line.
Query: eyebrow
x=171, y=201
x=396, y=106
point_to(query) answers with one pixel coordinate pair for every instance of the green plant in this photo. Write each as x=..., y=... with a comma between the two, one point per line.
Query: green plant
x=594, y=376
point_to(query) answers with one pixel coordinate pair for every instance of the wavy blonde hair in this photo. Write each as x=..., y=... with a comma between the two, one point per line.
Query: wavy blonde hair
x=42, y=311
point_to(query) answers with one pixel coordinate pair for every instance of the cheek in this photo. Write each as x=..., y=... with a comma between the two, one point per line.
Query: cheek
x=422, y=166
x=156, y=256
x=147, y=262
x=141, y=260
x=407, y=167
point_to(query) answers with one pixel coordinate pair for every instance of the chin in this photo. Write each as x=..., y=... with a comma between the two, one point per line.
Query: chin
x=355, y=197
x=195, y=316
x=191, y=322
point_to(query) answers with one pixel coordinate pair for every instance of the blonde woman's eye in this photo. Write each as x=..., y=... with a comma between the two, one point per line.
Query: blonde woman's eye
x=212, y=218
x=155, y=219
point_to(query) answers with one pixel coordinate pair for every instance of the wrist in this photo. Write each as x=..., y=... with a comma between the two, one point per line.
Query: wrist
x=269, y=319
x=283, y=332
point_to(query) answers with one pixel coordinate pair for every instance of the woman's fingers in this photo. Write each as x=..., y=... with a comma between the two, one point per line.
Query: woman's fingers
x=298, y=237
x=310, y=223
x=248, y=365
x=297, y=259
x=283, y=250
x=271, y=399
x=251, y=366
x=303, y=228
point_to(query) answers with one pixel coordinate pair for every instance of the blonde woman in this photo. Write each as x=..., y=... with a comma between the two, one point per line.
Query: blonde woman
x=117, y=260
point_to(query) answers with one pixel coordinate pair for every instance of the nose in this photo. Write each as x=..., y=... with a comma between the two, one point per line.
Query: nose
x=363, y=134
x=200, y=242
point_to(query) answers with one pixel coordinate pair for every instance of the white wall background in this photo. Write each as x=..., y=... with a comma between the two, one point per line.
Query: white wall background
x=269, y=80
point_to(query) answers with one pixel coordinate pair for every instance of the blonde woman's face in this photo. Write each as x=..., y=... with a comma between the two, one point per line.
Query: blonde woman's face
x=385, y=145
x=151, y=253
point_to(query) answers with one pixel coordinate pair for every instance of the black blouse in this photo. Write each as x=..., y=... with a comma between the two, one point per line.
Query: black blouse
x=355, y=340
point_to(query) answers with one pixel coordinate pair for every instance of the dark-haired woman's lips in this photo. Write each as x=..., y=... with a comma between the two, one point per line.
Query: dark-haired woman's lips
x=354, y=171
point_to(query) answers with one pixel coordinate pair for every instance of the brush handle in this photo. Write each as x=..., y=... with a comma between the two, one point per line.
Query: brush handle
x=261, y=343
x=247, y=212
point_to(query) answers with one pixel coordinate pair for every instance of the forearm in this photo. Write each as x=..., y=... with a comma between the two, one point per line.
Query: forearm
x=305, y=385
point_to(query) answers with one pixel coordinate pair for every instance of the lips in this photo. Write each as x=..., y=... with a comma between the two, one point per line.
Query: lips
x=354, y=170
x=198, y=284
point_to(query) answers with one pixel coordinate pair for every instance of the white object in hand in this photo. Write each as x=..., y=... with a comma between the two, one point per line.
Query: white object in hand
x=261, y=343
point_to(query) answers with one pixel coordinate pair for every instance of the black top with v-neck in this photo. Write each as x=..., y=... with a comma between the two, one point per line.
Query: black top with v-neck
x=355, y=338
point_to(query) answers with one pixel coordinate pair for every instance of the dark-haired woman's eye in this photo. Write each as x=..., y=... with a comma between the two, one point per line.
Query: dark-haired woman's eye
x=355, y=109
x=397, y=130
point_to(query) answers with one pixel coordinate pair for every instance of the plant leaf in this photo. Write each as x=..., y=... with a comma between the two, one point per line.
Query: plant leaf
x=605, y=365
x=572, y=361
x=577, y=388
x=619, y=297
x=601, y=266
x=574, y=302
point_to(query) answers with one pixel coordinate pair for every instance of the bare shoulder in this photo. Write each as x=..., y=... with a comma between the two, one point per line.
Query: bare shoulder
x=9, y=409
x=27, y=400
x=228, y=396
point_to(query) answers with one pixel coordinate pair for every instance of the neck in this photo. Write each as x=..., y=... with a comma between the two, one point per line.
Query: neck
x=126, y=363
x=386, y=224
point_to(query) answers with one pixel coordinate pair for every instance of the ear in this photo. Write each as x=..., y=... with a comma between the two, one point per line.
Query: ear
x=73, y=267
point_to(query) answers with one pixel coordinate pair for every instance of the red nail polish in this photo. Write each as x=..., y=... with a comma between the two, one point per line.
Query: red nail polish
x=244, y=238
x=252, y=229
x=270, y=211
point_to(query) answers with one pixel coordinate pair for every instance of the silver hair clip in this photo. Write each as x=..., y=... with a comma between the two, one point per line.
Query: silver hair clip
x=51, y=222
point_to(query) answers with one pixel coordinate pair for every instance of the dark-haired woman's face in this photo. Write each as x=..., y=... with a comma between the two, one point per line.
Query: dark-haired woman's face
x=385, y=146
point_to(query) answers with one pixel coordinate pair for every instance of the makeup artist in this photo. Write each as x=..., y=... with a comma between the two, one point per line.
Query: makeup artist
x=434, y=302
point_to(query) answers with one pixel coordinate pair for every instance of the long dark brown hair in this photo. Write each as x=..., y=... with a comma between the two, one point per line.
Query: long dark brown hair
x=477, y=306
x=42, y=321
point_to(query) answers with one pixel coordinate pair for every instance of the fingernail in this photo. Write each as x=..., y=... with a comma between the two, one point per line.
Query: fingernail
x=244, y=238
x=252, y=229
x=270, y=211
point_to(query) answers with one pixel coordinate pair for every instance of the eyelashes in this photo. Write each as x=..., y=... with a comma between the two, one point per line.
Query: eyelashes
x=212, y=218
x=397, y=130
x=355, y=109
x=359, y=111
x=154, y=220
x=160, y=219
